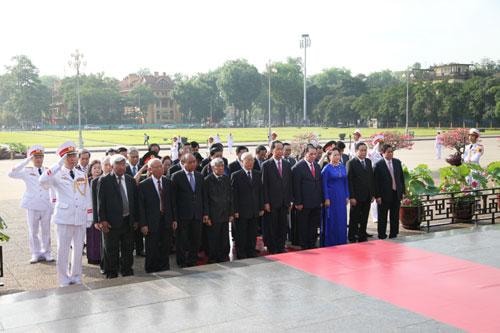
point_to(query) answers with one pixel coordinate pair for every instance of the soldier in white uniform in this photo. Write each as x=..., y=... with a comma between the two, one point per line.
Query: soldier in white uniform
x=474, y=150
x=375, y=155
x=356, y=135
x=37, y=202
x=72, y=214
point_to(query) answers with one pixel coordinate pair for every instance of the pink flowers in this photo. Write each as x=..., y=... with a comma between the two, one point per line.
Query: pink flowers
x=395, y=139
x=474, y=184
x=455, y=139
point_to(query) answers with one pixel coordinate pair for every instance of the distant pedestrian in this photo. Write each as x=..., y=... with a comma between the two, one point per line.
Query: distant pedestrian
x=217, y=138
x=146, y=139
x=438, y=145
x=230, y=142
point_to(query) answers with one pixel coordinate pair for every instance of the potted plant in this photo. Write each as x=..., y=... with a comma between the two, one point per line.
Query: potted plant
x=463, y=183
x=418, y=182
x=455, y=139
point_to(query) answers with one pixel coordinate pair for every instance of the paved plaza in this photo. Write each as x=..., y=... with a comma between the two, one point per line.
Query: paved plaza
x=275, y=293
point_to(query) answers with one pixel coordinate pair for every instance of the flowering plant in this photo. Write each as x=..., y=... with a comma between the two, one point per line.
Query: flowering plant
x=456, y=139
x=300, y=141
x=494, y=172
x=465, y=179
x=395, y=139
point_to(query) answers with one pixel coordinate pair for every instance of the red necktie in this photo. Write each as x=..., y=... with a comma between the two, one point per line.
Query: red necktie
x=160, y=189
x=313, y=170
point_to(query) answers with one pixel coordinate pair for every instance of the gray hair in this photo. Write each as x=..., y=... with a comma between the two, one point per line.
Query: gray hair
x=106, y=160
x=246, y=156
x=133, y=150
x=185, y=157
x=118, y=158
x=151, y=161
x=216, y=162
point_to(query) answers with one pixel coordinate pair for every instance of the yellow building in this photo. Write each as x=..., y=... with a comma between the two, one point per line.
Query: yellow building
x=164, y=110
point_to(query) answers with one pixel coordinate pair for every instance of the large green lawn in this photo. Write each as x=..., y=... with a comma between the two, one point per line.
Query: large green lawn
x=107, y=138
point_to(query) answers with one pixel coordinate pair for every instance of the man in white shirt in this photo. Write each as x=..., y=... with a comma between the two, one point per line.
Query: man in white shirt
x=438, y=144
x=36, y=200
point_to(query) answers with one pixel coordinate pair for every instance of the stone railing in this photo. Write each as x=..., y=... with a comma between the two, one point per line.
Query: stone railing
x=452, y=207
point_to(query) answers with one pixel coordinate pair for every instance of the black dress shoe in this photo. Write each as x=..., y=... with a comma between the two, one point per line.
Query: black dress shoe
x=393, y=236
x=111, y=275
x=368, y=235
x=382, y=236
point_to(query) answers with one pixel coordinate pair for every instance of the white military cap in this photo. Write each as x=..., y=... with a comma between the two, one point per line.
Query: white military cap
x=35, y=150
x=69, y=147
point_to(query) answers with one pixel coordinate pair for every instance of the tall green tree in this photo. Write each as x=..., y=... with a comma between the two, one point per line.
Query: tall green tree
x=24, y=99
x=240, y=84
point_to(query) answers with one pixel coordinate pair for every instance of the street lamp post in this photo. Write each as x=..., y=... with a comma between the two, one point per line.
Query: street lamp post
x=76, y=62
x=270, y=70
x=305, y=42
x=407, y=75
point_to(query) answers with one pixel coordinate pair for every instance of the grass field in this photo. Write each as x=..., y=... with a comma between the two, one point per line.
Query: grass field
x=108, y=138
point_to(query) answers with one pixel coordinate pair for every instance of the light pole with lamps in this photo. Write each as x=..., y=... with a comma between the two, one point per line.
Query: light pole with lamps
x=76, y=62
x=408, y=76
x=270, y=69
x=305, y=42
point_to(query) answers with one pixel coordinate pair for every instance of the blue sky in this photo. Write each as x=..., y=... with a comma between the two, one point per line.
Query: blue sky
x=190, y=36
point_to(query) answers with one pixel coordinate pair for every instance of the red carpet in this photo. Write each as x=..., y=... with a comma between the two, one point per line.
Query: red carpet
x=457, y=292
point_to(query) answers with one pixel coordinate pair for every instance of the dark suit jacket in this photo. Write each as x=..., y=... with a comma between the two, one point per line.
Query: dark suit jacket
x=217, y=198
x=149, y=205
x=248, y=199
x=361, y=183
x=110, y=207
x=345, y=159
x=128, y=171
x=277, y=190
x=95, y=209
x=234, y=166
x=383, y=180
x=173, y=169
x=256, y=164
x=291, y=160
x=189, y=204
x=307, y=190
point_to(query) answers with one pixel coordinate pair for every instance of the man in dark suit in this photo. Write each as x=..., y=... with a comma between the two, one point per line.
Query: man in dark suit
x=133, y=162
x=307, y=197
x=344, y=157
x=133, y=167
x=277, y=186
x=287, y=154
x=260, y=157
x=118, y=217
x=389, y=189
x=236, y=164
x=195, y=149
x=215, y=152
x=248, y=203
x=217, y=211
x=157, y=212
x=188, y=194
x=361, y=191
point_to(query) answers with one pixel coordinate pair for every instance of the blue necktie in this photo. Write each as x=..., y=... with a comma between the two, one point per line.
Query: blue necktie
x=191, y=182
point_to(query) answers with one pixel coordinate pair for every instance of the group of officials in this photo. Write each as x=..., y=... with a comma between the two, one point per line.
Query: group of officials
x=156, y=204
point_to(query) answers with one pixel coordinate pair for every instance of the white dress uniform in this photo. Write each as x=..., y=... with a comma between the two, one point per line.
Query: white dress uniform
x=37, y=202
x=473, y=153
x=174, y=150
x=72, y=214
x=375, y=156
x=230, y=142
